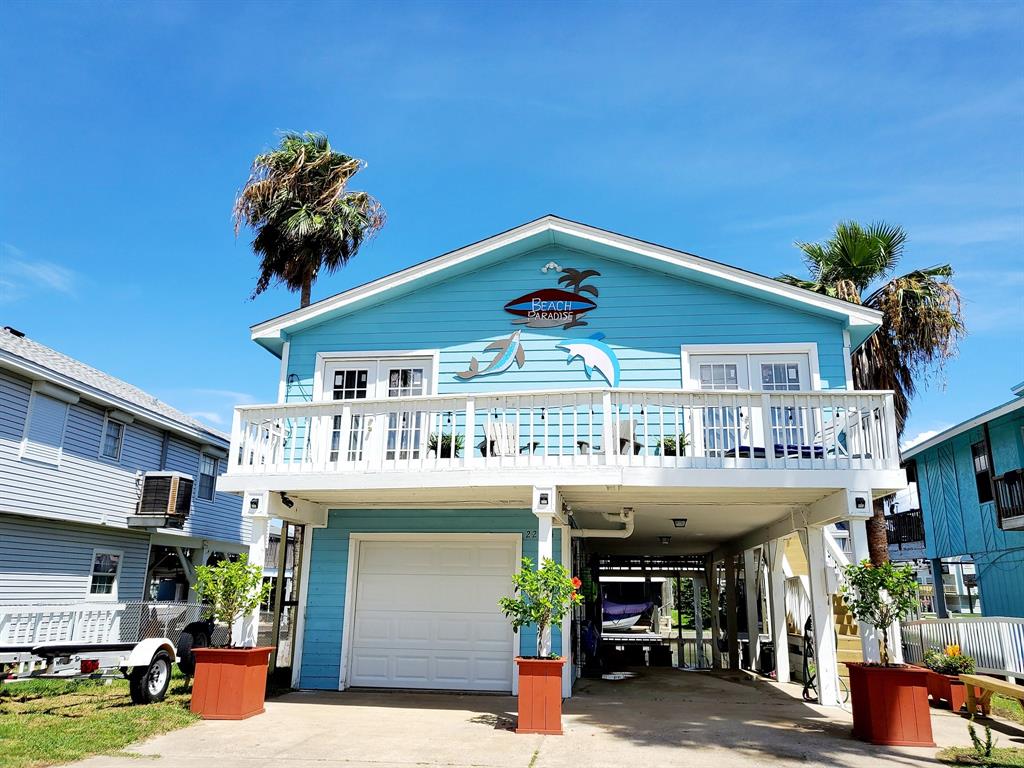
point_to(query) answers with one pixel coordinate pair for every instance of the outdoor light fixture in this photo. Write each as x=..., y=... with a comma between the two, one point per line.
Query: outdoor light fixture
x=664, y=539
x=254, y=504
x=861, y=502
x=286, y=501
x=679, y=522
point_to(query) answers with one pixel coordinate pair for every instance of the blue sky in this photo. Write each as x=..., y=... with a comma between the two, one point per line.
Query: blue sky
x=729, y=131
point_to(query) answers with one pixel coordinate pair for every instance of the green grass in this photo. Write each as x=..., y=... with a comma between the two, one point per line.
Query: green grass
x=1008, y=708
x=45, y=722
x=1005, y=757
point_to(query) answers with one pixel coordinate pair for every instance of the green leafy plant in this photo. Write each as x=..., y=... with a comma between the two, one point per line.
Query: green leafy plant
x=444, y=442
x=669, y=445
x=542, y=598
x=949, y=661
x=982, y=748
x=233, y=589
x=880, y=595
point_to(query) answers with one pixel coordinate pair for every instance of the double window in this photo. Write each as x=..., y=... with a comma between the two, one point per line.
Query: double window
x=207, y=476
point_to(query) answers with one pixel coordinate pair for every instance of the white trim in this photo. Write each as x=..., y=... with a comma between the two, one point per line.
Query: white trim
x=796, y=348
x=36, y=392
x=112, y=597
x=282, y=384
x=847, y=359
x=352, y=578
x=566, y=628
x=977, y=421
x=107, y=419
x=323, y=359
x=300, y=621
x=554, y=225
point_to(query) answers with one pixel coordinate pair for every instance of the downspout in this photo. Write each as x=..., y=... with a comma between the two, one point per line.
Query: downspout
x=625, y=517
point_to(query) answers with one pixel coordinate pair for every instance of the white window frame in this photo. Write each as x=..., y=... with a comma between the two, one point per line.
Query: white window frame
x=323, y=359
x=199, y=476
x=53, y=395
x=750, y=351
x=104, y=598
x=107, y=419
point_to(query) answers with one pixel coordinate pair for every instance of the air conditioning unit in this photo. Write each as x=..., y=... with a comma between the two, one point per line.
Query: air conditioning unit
x=165, y=500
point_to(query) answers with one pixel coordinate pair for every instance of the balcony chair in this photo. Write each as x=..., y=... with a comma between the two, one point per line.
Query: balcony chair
x=501, y=438
x=625, y=430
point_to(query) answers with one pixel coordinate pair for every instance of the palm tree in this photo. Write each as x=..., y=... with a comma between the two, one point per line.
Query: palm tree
x=921, y=318
x=305, y=218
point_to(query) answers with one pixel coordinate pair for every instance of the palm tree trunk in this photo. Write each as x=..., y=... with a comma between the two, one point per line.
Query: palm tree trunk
x=307, y=286
x=878, y=541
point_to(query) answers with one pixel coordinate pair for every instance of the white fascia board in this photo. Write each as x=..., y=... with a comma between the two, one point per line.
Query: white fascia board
x=855, y=315
x=37, y=372
x=977, y=421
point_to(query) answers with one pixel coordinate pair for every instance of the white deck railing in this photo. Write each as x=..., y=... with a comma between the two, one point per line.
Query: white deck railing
x=996, y=643
x=623, y=427
x=94, y=622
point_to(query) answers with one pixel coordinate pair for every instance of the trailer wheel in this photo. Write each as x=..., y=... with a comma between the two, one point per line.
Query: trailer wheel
x=150, y=684
x=195, y=635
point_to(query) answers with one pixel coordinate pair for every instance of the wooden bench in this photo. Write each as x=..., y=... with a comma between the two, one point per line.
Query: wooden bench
x=988, y=686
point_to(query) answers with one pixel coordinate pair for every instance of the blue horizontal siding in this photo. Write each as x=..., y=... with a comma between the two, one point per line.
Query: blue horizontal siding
x=327, y=588
x=645, y=315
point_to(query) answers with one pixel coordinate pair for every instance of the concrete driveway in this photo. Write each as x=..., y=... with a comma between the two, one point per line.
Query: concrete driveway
x=661, y=718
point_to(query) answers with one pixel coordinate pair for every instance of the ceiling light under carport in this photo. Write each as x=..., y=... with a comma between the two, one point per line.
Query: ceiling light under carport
x=679, y=522
x=664, y=539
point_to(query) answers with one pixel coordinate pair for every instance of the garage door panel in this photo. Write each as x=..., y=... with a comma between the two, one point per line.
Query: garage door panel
x=426, y=615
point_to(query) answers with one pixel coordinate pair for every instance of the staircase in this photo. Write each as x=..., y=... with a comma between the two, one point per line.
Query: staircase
x=848, y=642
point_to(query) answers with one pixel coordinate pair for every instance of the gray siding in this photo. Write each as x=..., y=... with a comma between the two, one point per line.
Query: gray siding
x=50, y=561
x=89, y=490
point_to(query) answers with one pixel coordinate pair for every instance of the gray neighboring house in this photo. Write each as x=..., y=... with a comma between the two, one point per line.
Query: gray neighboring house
x=75, y=445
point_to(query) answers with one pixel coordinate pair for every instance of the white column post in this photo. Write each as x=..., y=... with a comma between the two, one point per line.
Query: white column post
x=825, y=658
x=698, y=624
x=247, y=629
x=198, y=556
x=716, y=623
x=566, y=651
x=750, y=593
x=731, y=612
x=868, y=634
x=545, y=507
x=777, y=601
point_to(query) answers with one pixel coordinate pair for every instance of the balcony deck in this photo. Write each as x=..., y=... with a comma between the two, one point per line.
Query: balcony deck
x=817, y=439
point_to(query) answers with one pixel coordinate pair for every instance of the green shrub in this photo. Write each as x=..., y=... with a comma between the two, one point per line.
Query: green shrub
x=949, y=662
x=233, y=589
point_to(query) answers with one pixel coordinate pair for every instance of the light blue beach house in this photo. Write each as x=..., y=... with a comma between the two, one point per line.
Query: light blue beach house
x=556, y=390
x=970, y=482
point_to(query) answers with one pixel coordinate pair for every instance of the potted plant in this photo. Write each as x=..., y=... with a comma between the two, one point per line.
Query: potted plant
x=542, y=598
x=945, y=668
x=230, y=683
x=890, y=701
x=673, y=446
x=443, y=447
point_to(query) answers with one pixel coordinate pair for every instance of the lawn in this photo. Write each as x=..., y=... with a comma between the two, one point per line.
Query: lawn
x=1008, y=708
x=45, y=722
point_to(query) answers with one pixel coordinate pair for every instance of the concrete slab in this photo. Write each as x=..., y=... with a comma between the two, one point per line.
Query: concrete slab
x=661, y=718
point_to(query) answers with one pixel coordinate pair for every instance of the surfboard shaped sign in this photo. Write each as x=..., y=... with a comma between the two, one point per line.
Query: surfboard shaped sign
x=550, y=308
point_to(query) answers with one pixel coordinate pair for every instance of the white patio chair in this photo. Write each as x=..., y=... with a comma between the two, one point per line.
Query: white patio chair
x=501, y=438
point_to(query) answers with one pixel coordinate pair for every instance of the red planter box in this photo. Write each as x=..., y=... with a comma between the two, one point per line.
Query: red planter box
x=947, y=688
x=230, y=683
x=540, y=695
x=890, y=705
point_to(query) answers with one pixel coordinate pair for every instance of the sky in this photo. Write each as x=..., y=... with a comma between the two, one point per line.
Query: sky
x=728, y=130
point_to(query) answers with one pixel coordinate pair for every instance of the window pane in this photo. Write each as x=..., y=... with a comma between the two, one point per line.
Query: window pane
x=101, y=585
x=112, y=439
x=207, y=476
x=105, y=562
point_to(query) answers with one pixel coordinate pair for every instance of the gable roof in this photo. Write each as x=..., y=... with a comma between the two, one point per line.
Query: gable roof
x=39, y=362
x=990, y=415
x=553, y=230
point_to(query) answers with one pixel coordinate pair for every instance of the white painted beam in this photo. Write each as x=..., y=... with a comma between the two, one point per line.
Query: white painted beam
x=777, y=601
x=751, y=597
x=822, y=618
x=247, y=629
x=731, y=616
x=868, y=634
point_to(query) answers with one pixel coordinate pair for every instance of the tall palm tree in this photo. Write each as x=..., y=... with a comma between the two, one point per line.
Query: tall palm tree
x=306, y=220
x=921, y=318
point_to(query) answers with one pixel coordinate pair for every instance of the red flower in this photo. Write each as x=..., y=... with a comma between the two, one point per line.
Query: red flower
x=576, y=583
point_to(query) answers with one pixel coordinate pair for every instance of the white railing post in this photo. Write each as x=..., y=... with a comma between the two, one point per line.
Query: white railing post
x=469, y=433
x=237, y=448
x=892, y=458
x=611, y=447
x=769, y=432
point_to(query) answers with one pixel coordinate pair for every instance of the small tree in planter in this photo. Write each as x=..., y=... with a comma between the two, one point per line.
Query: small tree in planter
x=230, y=683
x=880, y=596
x=673, y=446
x=542, y=598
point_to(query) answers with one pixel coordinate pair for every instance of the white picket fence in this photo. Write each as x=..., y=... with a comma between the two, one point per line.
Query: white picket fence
x=996, y=643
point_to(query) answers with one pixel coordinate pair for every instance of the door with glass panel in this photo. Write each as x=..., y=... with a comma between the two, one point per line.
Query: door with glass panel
x=792, y=426
x=725, y=428
x=374, y=431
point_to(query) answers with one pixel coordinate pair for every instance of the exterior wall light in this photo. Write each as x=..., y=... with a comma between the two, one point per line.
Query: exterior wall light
x=664, y=539
x=679, y=522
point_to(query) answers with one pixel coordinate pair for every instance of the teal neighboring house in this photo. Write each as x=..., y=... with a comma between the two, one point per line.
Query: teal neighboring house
x=553, y=391
x=970, y=483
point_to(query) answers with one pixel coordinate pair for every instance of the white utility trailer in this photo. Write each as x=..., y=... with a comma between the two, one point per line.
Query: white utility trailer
x=138, y=640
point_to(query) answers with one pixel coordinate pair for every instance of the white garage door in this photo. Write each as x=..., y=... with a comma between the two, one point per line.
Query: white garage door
x=426, y=614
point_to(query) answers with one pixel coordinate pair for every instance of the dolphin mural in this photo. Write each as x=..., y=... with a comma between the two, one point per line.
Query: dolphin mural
x=596, y=355
x=508, y=351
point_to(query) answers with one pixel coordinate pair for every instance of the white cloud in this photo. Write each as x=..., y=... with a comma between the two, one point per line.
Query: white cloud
x=23, y=276
x=909, y=442
x=210, y=417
